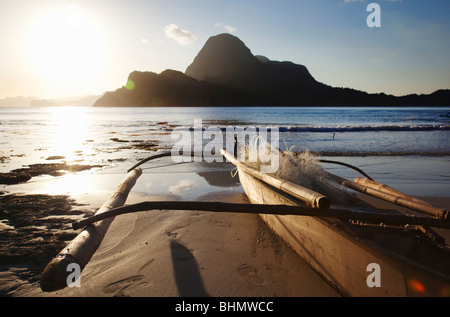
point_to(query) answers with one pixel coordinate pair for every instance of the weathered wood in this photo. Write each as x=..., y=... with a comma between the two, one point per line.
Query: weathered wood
x=306, y=195
x=84, y=245
x=397, y=200
x=376, y=217
x=386, y=189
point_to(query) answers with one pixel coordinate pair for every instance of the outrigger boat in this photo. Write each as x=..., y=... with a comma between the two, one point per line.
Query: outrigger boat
x=412, y=260
x=360, y=250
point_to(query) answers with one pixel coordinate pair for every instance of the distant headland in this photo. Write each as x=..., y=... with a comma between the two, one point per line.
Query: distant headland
x=226, y=73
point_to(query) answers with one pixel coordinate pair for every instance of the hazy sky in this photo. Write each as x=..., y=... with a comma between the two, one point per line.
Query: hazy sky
x=58, y=48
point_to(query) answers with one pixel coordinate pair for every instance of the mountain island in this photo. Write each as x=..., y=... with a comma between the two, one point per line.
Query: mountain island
x=226, y=73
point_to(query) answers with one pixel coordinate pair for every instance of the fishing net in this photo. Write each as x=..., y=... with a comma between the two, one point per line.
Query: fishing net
x=302, y=168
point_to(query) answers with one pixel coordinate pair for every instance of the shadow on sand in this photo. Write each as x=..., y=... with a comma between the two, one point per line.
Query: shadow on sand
x=187, y=274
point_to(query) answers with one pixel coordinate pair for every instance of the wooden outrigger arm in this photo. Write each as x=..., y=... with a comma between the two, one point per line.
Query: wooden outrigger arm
x=390, y=195
x=83, y=246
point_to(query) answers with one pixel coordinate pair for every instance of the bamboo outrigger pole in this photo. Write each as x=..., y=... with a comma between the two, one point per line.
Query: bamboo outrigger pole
x=432, y=211
x=306, y=195
x=84, y=245
x=386, y=189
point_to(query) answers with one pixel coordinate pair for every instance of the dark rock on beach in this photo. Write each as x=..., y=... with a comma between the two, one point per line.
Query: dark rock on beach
x=34, y=229
x=23, y=175
x=53, y=168
x=14, y=178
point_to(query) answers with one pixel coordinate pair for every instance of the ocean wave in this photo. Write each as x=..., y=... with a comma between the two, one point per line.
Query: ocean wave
x=359, y=128
x=366, y=128
x=380, y=153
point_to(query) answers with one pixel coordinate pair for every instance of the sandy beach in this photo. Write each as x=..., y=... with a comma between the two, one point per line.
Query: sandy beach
x=177, y=253
x=180, y=253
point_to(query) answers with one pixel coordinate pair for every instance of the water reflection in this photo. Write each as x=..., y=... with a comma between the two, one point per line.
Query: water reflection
x=71, y=184
x=183, y=185
x=68, y=131
x=220, y=178
x=187, y=185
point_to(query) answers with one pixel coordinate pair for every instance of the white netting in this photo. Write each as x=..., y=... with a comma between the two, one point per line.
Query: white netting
x=302, y=168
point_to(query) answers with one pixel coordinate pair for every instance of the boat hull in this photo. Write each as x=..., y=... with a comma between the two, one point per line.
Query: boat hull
x=351, y=264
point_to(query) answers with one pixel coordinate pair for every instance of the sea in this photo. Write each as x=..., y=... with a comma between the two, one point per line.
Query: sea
x=405, y=148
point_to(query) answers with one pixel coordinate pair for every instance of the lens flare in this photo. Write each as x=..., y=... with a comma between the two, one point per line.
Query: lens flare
x=416, y=286
x=445, y=291
x=130, y=85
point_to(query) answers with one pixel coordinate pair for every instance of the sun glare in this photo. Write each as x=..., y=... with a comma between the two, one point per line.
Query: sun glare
x=70, y=132
x=65, y=46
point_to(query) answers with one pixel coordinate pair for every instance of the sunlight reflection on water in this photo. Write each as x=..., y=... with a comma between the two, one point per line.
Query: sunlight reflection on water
x=68, y=131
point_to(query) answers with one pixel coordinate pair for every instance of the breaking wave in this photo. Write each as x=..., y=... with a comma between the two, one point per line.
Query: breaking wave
x=359, y=128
